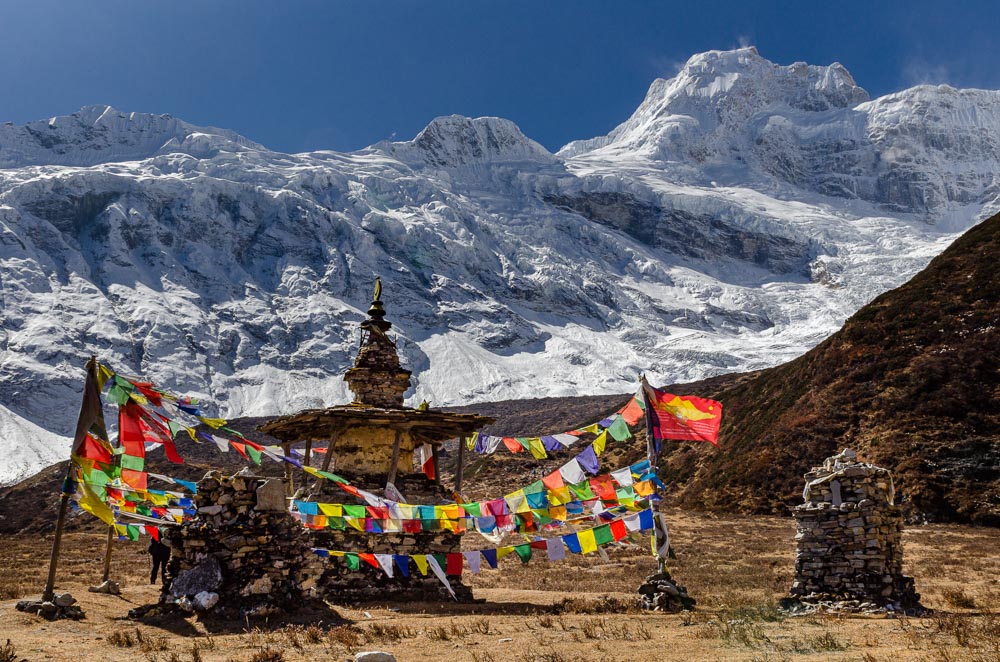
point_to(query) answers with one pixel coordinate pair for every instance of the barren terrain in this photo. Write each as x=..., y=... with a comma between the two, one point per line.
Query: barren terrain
x=578, y=609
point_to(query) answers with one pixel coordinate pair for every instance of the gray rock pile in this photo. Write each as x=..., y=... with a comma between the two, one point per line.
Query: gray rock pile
x=850, y=552
x=660, y=593
x=62, y=605
x=242, y=552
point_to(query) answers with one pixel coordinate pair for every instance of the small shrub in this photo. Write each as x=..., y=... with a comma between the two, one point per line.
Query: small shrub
x=825, y=643
x=121, y=639
x=313, y=634
x=388, y=632
x=483, y=626
x=439, y=633
x=958, y=599
x=8, y=653
x=345, y=636
x=268, y=654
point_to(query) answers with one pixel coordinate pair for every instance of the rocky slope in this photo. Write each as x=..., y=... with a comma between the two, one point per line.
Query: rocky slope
x=732, y=223
x=912, y=382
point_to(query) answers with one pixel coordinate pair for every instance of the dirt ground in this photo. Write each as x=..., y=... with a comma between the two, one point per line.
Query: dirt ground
x=582, y=608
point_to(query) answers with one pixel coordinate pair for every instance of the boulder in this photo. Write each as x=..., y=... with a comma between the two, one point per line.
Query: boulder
x=204, y=577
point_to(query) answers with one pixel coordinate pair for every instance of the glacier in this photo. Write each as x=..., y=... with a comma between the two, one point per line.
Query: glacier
x=742, y=213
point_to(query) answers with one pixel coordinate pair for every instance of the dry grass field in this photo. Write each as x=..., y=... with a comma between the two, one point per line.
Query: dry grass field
x=578, y=609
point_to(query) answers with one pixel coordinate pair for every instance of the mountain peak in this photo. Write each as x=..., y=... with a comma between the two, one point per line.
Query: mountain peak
x=724, y=89
x=101, y=134
x=456, y=140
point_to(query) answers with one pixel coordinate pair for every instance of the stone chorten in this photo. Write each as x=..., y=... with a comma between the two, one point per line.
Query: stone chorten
x=377, y=379
x=371, y=442
x=850, y=552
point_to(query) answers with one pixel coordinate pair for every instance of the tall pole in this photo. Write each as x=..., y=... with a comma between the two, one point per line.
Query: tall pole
x=107, y=555
x=48, y=593
x=651, y=455
x=69, y=486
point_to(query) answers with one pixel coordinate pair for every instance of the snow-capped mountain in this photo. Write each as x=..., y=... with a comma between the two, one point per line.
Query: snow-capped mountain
x=734, y=221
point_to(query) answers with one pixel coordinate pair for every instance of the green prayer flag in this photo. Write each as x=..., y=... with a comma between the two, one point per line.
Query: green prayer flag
x=132, y=462
x=441, y=559
x=619, y=429
x=132, y=531
x=118, y=395
x=582, y=490
x=352, y=561
x=334, y=477
x=354, y=511
x=253, y=453
x=473, y=509
x=523, y=551
x=602, y=535
x=175, y=427
x=535, y=488
x=335, y=523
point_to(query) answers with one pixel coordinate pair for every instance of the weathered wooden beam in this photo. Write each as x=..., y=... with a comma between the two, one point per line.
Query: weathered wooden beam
x=329, y=449
x=289, y=485
x=434, y=460
x=395, y=457
x=309, y=448
x=460, y=469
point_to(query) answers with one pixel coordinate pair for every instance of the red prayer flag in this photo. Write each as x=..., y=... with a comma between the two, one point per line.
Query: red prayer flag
x=684, y=417
x=618, y=530
x=136, y=479
x=632, y=412
x=369, y=559
x=554, y=481
x=513, y=445
x=453, y=563
x=153, y=532
x=130, y=434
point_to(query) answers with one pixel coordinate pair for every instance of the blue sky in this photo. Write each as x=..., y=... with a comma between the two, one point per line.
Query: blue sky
x=324, y=74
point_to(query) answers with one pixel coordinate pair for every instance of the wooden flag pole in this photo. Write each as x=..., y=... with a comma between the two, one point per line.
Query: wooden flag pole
x=107, y=555
x=50, y=582
x=651, y=455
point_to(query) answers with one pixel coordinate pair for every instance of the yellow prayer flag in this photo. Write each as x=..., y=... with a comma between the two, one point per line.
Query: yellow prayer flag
x=587, y=542
x=421, y=562
x=558, y=513
x=593, y=429
x=503, y=551
x=452, y=511
x=537, y=448
x=599, y=442
x=104, y=373
x=94, y=505
x=192, y=434
x=331, y=509
x=356, y=522
x=644, y=488
x=138, y=397
x=336, y=553
x=212, y=422
x=439, y=512
x=560, y=496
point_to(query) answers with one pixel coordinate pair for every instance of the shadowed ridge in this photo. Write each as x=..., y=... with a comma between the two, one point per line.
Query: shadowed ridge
x=911, y=382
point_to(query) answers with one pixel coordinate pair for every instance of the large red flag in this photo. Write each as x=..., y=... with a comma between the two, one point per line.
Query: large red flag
x=685, y=417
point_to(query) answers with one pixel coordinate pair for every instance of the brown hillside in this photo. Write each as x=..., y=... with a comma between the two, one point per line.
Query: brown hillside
x=912, y=382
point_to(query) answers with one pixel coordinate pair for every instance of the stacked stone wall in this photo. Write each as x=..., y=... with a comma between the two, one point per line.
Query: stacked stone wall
x=243, y=546
x=849, y=539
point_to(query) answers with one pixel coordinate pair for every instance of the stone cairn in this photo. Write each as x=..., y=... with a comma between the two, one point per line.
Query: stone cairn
x=242, y=553
x=62, y=605
x=850, y=553
x=660, y=593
